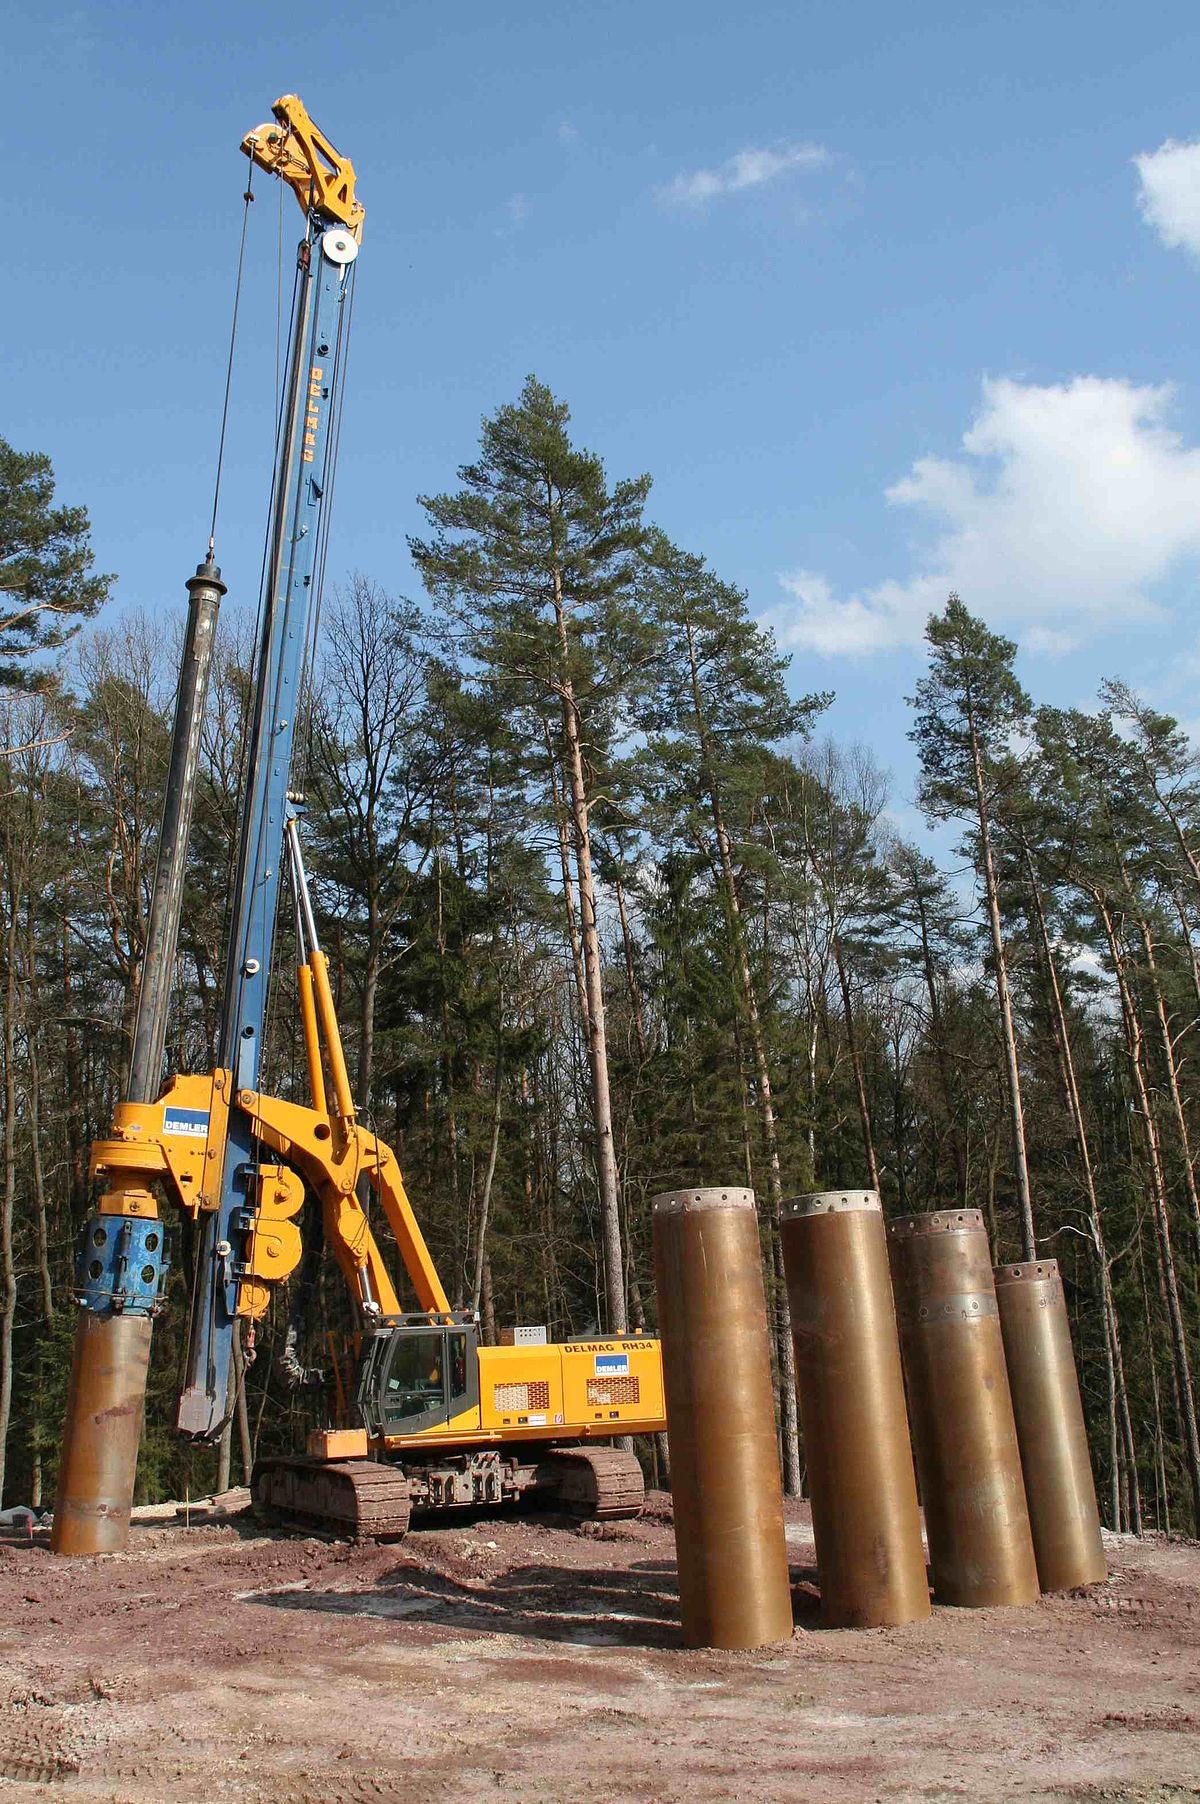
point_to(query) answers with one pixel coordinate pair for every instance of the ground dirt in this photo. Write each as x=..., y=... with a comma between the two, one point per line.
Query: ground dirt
x=533, y=1660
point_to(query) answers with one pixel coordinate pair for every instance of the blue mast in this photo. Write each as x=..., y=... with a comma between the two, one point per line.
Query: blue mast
x=303, y=472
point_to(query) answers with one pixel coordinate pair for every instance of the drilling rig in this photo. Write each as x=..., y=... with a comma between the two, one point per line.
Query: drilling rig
x=438, y=1420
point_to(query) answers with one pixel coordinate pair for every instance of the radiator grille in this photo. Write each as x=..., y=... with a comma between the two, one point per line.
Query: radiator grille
x=523, y=1396
x=613, y=1390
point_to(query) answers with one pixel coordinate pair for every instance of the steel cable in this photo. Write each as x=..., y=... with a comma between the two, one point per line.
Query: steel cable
x=247, y=199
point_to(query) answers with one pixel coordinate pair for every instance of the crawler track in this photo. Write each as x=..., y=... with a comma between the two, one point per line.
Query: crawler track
x=600, y=1483
x=360, y=1498
x=369, y=1500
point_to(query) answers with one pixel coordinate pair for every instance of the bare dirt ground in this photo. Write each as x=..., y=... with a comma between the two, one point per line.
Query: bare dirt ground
x=531, y=1660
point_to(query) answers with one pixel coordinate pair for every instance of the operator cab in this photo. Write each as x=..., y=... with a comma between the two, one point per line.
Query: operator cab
x=419, y=1374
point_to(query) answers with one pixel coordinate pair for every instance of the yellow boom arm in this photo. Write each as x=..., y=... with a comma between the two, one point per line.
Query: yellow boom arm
x=302, y=156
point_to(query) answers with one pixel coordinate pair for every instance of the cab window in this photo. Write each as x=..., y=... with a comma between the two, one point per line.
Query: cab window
x=416, y=1376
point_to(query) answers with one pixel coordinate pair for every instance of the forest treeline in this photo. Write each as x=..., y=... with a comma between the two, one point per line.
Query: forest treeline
x=608, y=914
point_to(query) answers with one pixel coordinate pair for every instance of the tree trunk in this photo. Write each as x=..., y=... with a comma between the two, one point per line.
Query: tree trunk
x=1179, y=1348
x=608, y=1182
x=856, y=1066
x=1119, y=1421
x=937, y=1030
x=792, y=1476
x=33, y=1062
x=446, y=1061
x=635, y=994
x=8, y=1270
x=485, y=1201
x=1185, y=927
x=366, y=1021
x=563, y=836
x=224, y=1459
x=1012, y=1068
x=245, y=1444
x=1170, y=1065
x=1155, y=1395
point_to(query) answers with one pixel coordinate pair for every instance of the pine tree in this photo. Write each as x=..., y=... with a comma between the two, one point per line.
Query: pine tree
x=969, y=707
x=47, y=586
x=534, y=559
x=719, y=702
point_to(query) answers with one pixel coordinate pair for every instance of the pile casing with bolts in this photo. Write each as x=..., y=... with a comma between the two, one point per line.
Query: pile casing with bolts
x=105, y=1406
x=964, y=1435
x=734, y=1588
x=1059, y=1486
x=850, y=1390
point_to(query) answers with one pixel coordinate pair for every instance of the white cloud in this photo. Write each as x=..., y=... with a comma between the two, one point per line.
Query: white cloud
x=567, y=133
x=1071, y=504
x=747, y=168
x=1170, y=193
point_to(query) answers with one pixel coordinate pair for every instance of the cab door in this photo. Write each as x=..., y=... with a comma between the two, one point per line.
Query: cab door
x=462, y=1377
x=427, y=1377
x=412, y=1393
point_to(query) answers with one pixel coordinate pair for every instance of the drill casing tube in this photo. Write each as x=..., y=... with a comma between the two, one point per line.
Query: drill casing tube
x=964, y=1435
x=120, y=1271
x=1050, y=1428
x=105, y=1404
x=734, y=1588
x=850, y=1390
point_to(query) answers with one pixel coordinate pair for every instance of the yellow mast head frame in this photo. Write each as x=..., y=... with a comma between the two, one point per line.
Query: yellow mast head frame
x=302, y=156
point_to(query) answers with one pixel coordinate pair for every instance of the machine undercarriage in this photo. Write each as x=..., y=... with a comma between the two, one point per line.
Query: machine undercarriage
x=373, y=1500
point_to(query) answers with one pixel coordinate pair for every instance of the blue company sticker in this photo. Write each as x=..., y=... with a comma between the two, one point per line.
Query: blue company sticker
x=189, y=1124
x=612, y=1365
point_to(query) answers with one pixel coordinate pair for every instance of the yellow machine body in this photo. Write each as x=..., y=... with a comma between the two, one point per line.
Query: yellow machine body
x=574, y=1390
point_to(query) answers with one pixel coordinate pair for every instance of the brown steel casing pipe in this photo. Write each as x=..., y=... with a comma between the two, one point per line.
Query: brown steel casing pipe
x=1059, y=1486
x=98, y=1463
x=734, y=1589
x=850, y=1389
x=964, y=1435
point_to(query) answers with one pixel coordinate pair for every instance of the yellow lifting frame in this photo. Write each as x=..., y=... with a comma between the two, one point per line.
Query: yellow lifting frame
x=302, y=156
x=304, y=1140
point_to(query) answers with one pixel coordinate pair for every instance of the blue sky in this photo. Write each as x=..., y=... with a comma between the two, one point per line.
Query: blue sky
x=876, y=294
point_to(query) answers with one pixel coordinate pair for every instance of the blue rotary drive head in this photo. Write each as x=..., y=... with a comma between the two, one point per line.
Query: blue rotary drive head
x=121, y=1268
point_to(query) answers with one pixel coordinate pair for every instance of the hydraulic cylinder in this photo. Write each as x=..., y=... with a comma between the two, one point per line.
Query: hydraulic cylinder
x=850, y=1391
x=734, y=1588
x=964, y=1435
x=1059, y=1485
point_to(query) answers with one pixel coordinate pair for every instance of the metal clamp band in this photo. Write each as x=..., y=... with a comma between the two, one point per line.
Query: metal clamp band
x=963, y=1306
x=1029, y=1271
x=832, y=1202
x=939, y=1221
x=676, y=1202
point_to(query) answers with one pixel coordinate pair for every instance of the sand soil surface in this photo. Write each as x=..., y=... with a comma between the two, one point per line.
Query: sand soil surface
x=517, y=1660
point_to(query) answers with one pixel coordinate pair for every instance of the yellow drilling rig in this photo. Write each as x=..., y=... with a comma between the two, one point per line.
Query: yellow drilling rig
x=438, y=1421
